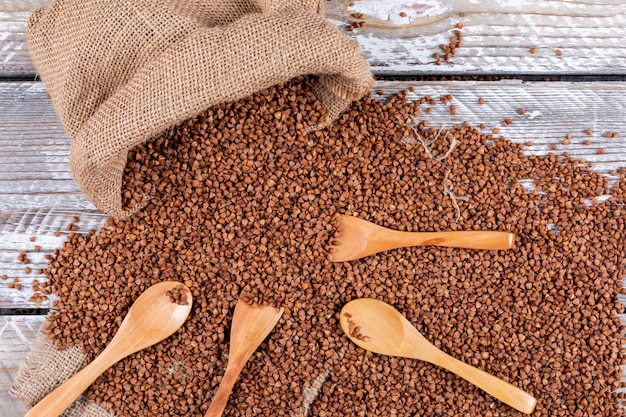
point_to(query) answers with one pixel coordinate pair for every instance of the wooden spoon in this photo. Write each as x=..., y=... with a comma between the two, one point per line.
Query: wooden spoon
x=357, y=238
x=151, y=318
x=251, y=325
x=378, y=327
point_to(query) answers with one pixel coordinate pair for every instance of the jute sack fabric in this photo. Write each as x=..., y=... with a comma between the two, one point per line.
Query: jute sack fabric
x=120, y=72
x=44, y=369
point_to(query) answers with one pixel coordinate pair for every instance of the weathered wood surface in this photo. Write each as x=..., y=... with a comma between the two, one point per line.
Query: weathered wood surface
x=38, y=195
x=497, y=35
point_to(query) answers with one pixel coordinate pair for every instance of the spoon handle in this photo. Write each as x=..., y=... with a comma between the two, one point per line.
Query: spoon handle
x=467, y=239
x=53, y=404
x=505, y=392
x=220, y=399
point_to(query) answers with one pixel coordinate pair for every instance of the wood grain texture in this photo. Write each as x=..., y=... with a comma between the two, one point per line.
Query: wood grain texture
x=38, y=195
x=17, y=333
x=33, y=166
x=497, y=36
x=14, y=57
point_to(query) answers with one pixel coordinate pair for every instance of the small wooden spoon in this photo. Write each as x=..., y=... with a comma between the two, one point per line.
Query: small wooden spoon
x=376, y=326
x=151, y=318
x=251, y=325
x=357, y=238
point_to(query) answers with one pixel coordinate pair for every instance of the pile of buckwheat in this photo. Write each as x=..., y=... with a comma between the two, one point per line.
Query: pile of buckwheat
x=242, y=204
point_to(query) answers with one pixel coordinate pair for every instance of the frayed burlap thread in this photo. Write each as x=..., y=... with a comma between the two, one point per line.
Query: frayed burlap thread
x=120, y=72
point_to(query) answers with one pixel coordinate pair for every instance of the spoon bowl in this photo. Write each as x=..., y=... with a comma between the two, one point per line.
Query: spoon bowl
x=357, y=238
x=156, y=314
x=251, y=325
x=378, y=327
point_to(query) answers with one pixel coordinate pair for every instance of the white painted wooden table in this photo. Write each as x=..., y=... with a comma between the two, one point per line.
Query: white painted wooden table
x=586, y=90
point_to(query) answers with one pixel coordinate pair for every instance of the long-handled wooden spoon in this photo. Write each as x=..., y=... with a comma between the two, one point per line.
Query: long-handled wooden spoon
x=151, y=318
x=378, y=327
x=251, y=325
x=357, y=238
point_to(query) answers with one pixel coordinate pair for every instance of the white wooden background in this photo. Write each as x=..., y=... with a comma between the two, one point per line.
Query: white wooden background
x=38, y=195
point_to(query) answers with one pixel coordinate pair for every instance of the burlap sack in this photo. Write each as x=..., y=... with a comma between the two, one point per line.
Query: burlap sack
x=120, y=72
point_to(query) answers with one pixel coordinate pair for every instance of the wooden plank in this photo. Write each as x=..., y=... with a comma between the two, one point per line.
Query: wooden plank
x=17, y=333
x=34, y=170
x=15, y=60
x=497, y=36
x=45, y=197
